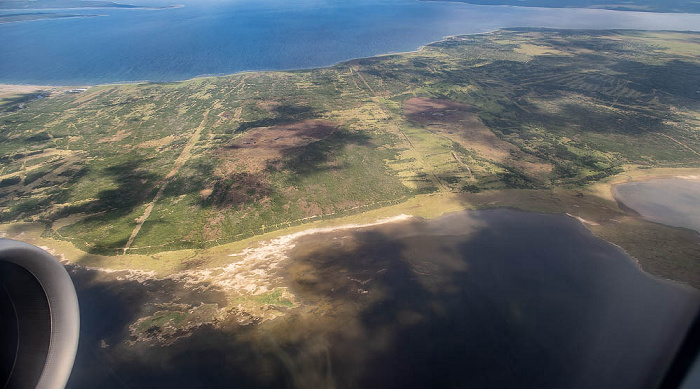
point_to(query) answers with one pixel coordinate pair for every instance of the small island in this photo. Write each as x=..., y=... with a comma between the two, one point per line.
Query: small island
x=31, y=16
x=44, y=9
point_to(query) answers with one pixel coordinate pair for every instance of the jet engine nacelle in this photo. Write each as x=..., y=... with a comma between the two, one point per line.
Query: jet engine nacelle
x=39, y=318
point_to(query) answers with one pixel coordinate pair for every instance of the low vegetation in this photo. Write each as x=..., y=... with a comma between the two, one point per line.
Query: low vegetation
x=147, y=168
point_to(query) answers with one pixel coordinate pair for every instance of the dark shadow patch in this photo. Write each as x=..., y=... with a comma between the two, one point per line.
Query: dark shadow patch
x=108, y=306
x=316, y=157
x=239, y=189
x=14, y=104
x=606, y=121
x=516, y=301
x=284, y=113
x=484, y=299
x=676, y=77
x=135, y=187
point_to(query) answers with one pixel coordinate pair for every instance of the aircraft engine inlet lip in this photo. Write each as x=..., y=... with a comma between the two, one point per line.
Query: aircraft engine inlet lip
x=63, y=306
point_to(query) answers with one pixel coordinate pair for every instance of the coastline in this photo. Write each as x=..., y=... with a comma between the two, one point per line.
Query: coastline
x=599, y=7
x=49, y=17
x=53, y=13
x=605, y=187
x=269, y=250
x=252, y=71
x=427, y=206
x=599, y=208
x=605, y=219
x=131, y=7
x=344, y=62
x=627, y=208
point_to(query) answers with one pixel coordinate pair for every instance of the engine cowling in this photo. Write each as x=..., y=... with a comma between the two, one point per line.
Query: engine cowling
x=39, y=318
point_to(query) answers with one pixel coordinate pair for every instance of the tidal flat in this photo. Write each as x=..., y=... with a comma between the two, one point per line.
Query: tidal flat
x=671, y=201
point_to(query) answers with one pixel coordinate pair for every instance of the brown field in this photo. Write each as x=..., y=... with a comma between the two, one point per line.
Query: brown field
x=262, y=146
x=460, y=123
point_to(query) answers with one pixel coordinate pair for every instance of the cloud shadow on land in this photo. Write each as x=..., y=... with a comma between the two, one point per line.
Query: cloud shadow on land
x=281, y=114
x=316, y=157
x=135, y=187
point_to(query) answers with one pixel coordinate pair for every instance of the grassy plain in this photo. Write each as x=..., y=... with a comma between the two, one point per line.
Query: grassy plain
x=175, y=176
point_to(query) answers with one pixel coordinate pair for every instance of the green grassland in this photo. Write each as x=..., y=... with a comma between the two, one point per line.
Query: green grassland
x=151, y=167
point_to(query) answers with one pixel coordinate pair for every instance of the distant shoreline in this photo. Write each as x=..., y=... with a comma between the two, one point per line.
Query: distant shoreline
x=204, y=76
x=339, y=63
x=117, y=6
x=610, y=6
x=39, y=16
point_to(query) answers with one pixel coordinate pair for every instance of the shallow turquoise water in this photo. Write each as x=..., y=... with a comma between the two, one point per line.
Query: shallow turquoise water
x=223, y=37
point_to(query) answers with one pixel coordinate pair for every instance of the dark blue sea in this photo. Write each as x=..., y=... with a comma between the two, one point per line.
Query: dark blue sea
x=207, y=37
